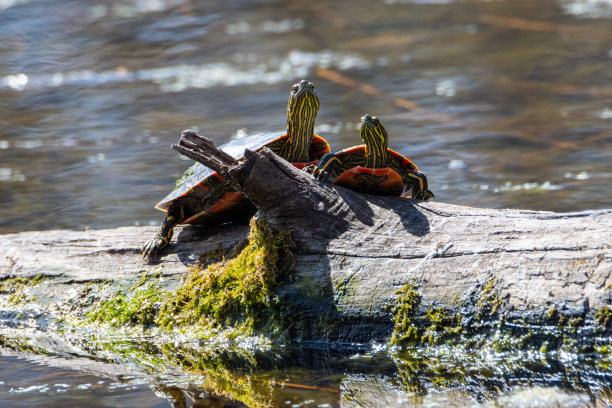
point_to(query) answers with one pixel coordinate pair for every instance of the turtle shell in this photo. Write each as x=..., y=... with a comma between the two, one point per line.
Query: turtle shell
x=192, y=188
x=382, y=181
x=379, y=181
x=197, y=173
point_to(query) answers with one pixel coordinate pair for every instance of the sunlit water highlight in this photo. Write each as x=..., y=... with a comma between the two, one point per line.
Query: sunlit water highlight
x=513, y=110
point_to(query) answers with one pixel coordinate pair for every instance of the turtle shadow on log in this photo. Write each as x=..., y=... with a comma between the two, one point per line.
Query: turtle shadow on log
x=323, y=216
x=371, y=209
x=312, y=294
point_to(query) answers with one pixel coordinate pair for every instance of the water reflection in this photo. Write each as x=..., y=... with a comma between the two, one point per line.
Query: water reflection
x=312, y=378
x=502, y=104
x=587, y=8
x=40, y=382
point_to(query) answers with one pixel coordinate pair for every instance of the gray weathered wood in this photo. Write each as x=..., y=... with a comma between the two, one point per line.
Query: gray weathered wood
x=369, y=246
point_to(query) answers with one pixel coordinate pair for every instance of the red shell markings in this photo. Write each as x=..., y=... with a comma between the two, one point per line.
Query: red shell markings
x=383, y=181
x=229, y=204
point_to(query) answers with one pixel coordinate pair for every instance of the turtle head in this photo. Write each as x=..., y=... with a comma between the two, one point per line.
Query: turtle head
x=301, y=90
x=375, y=138
x=302, y=111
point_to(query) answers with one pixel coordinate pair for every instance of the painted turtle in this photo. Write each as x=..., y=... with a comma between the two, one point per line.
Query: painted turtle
x=373, y=168
x=202, y=196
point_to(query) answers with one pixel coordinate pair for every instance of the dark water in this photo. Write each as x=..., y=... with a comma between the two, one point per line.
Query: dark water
x=29, y=384
x=502, y=103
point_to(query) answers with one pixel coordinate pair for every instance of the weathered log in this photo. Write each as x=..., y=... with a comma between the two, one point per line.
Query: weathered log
x=354, y=251
x=538, y=260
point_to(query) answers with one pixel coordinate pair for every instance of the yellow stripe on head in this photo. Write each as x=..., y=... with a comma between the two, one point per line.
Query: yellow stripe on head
x=375, y=138
x=302, y=110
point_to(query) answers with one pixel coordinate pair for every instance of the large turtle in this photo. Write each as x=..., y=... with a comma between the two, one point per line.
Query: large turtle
x=202, y=196
x=372, y=167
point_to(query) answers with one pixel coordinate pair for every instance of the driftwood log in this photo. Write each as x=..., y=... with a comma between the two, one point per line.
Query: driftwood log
x=355, y=251
x=537, y=262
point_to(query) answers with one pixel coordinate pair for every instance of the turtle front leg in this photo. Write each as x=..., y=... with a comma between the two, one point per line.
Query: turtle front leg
x=328, y=167
x=161, y=240
x=417, y=182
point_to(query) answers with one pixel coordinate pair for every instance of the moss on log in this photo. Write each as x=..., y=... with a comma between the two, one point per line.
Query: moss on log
x=475, y=270
x=409, y=274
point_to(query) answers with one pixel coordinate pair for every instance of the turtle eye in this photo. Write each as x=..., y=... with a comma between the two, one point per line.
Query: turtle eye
x=310, y=84
x=295, y=88
x=375, y=120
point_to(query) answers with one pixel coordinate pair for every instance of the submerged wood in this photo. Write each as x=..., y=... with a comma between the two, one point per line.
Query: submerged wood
x=354, y=251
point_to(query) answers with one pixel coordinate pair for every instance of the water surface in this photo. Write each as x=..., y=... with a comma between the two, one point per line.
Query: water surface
x=502, y=103
x=514, y=98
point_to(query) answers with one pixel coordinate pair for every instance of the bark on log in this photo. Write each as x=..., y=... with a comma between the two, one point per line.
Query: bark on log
x=354, y=251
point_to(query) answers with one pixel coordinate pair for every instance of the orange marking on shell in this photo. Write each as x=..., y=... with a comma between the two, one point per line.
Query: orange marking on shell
x=325, y=147
x=231, y=205
x=228, y=200
x=384, y=181
x=300, y=166
x=406, y=163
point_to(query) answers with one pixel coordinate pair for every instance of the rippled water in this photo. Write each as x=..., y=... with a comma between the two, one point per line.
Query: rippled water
x=513, y=98
x=309, y=378
x=502, y=103
x=36, y=384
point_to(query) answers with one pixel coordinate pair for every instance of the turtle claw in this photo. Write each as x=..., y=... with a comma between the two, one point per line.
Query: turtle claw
x=309, y=169
x=151, y=249
x=424, y=195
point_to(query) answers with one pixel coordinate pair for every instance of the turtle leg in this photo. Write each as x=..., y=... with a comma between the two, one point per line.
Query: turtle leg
x=328, y=167
x=161, y=240
x=417, y=181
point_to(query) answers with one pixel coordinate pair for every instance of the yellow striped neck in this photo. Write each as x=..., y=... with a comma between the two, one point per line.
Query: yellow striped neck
x=374, y=136
x=376, y=156
x=302, y=110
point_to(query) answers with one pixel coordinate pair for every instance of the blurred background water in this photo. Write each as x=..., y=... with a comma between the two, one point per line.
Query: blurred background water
x=503, y=103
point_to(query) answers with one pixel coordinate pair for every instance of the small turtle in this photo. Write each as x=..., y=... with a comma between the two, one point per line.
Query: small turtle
x=202, y=196
x=373, y=168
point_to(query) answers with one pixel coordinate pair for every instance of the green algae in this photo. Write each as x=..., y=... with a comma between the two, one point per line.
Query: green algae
x=436, y=336
x=478, y=322
x=218, y=376
x=405, y=311
x=239, y=292
x=446, y=349
x=236, y=294
x=603, y=317
x=474, y=323
x=12, y=285
x=489, y=301
x=341, y=287
x=443, y=325
x=138, y=306
x=484, y=375
x=437, y=326
x=554, y=316
x=17, y=287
